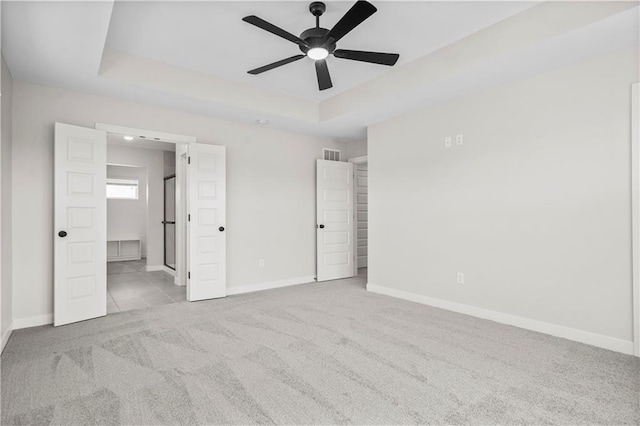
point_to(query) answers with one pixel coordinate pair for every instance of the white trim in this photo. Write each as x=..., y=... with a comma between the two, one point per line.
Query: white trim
x=20, y=323
x=269, y=285
x=148, y=134
x=5, y=337
x=599, y=340
x=181, y=215
x=359, y=160
x=153, y=268
x=635, y=211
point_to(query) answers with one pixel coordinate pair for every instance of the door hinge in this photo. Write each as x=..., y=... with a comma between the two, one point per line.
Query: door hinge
x=188, y=160
x=189, y=218
x=189, y=275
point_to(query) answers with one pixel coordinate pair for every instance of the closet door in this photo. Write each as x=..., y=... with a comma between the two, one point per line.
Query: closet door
x=334, y=216
x=206, y=170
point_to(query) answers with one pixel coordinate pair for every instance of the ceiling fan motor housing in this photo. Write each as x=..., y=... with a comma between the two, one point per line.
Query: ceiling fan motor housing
x=317, y=8
x=316, y=37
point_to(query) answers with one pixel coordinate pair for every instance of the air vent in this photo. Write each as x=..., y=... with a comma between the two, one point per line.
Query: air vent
x=331, y=154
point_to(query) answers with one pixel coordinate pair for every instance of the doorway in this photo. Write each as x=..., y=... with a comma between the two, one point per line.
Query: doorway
x=361, y=217
x=361, y=183
x=141, y=244
x=80, y=219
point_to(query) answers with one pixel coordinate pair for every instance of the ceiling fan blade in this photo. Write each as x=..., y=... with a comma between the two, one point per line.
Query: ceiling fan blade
x=275, y=64
x=354, y=17
x=324, y=79
x=372, y=57
x=261, y=23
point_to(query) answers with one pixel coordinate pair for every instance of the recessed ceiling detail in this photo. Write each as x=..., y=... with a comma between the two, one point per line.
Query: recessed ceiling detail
x=192, y=56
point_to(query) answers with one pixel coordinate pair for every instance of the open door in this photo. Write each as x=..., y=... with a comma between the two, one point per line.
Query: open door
x=80, y=224
x=334, y=215
x=206, y=170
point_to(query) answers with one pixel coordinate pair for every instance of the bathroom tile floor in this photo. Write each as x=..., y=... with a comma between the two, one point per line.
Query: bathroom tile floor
x=129, y=287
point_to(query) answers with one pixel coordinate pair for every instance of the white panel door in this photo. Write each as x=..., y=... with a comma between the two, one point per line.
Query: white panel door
x=207, y=276
x=80, y=224
x=362, y=214
x=334, y=227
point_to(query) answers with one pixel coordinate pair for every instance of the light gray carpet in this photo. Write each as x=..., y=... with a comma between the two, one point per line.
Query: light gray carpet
x=325, y=353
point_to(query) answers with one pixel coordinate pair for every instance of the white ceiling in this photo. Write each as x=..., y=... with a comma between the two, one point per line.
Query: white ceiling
x=211, y=37
x=198, y=54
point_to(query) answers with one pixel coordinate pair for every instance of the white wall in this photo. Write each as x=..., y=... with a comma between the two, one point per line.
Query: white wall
x=356, y=148
x=534, y=208
x=5, y=155
x=127, y=219
x=270, y=188
x=151, y=160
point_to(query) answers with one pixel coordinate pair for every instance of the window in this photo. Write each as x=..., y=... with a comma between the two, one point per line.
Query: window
x=123, y=189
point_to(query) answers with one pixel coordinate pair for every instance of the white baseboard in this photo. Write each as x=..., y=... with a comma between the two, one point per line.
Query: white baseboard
x=19, y=323
x=270, y=285
x=152, y=268
x=599, y=340
x=5, y=337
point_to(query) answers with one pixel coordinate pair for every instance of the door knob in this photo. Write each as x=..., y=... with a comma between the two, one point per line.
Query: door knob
x=221, y=229
x=62, y=234
x=321, y=226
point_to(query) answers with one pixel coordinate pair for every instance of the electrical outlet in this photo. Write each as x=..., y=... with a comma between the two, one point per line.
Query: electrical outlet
x=261, y=263
x=447, y=142
x=460, y=277
x=459, y=140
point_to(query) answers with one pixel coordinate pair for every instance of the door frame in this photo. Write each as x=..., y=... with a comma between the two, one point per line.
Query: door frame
x=181, y=216
x=635, y=211
x=181, y=141
x=357, y=160
x=146, y=134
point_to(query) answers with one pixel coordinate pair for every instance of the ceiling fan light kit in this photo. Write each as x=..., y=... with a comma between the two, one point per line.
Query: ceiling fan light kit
x=318, y=43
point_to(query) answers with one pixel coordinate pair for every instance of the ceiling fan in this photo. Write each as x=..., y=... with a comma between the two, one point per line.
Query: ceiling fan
x=318, y=43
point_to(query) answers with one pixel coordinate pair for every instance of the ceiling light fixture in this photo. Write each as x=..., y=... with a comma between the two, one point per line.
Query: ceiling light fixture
x=128, y=138
x=262, y=121
x=317, y=53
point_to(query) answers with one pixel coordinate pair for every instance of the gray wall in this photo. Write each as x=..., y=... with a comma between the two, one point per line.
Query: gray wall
x=534, y=208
